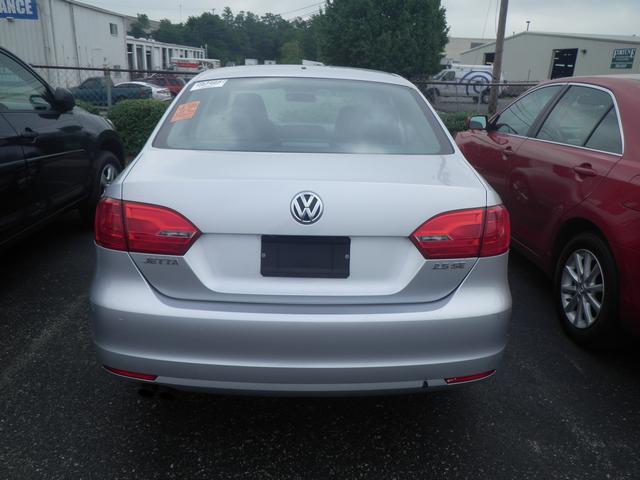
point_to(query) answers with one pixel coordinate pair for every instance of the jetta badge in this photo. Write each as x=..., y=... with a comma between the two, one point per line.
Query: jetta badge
x=306, y=208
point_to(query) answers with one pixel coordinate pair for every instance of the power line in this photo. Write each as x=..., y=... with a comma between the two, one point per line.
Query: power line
x=301, y=8
x=305, y=16
x=486, y=18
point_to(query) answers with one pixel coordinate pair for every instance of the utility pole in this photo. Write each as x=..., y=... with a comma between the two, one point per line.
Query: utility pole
x=497, y=61
x=528, y=23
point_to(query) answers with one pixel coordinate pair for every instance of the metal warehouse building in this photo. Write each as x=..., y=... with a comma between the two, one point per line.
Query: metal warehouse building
x=73, y=34
x=536, y=56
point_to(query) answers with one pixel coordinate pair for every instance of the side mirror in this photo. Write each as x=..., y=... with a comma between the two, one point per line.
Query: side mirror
x=63, y=99
x=477, y=122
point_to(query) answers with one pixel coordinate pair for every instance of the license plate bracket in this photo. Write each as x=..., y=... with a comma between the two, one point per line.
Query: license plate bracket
x=305, y=256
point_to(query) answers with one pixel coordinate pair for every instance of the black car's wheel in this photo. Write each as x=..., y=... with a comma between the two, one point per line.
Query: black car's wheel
x=586, y=291
x=107, y=169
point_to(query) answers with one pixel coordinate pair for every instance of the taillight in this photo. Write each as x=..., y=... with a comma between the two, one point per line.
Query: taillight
x=143, y=228
x=497, y=232
x=154, y=229
x=476, y=232
x=109, y=225
x=136, y=375
x=469, y=378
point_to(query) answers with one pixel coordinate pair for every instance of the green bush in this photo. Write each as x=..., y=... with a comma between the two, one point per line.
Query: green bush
x=135, y=120
x=455, y=122
x=88, y=107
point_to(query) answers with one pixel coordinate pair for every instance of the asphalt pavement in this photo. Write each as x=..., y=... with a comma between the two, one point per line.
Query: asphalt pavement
x=553, y=411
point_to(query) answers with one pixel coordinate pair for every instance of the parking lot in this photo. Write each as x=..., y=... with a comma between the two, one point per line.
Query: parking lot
x=552, y=411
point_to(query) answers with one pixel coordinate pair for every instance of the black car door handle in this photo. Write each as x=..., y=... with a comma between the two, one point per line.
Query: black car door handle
x=29, y=134
x=585, y=170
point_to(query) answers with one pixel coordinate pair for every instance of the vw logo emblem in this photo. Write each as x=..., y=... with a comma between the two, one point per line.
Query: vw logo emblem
x=306, y=208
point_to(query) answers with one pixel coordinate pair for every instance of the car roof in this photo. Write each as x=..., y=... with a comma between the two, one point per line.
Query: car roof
x=302, y=71
x=612, y=82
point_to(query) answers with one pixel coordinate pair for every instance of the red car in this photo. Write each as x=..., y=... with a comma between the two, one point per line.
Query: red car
x=171, y=82
x=565, y=158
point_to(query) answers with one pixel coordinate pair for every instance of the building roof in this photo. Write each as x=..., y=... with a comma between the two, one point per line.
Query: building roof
x=582, y=36
x=93, y=7
x=310, y=71
x=157, y=43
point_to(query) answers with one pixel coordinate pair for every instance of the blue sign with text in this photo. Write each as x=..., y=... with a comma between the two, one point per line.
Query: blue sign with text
x=19, y=9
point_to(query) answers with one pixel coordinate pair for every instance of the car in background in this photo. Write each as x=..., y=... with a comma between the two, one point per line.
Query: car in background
x=94, y=90
x=173, y=83
x=157, y=93
x=565, y=158
x=53, y=156
x=301, y=229
x=466, y=81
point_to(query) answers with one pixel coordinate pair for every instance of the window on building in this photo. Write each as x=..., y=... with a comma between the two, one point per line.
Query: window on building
x=113, y=28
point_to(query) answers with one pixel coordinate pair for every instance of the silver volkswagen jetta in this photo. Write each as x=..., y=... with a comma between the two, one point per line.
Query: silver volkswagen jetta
x=302, y=230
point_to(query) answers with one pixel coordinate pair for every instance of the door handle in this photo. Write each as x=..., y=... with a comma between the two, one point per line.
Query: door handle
x=507, y=152
x=29, y=134
x=585, y=170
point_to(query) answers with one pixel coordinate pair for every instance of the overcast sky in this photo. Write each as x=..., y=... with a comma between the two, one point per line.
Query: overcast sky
x=467, y=18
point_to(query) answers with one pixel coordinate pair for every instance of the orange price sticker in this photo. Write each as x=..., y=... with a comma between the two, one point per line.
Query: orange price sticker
x=185, y=111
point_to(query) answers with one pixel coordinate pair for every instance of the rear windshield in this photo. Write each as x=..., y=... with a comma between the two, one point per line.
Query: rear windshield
x=302, y=115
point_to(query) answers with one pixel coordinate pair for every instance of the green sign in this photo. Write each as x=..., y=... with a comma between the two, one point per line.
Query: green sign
x=623, y=57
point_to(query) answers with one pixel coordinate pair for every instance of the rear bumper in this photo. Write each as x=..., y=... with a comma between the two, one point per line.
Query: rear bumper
x=310, y=349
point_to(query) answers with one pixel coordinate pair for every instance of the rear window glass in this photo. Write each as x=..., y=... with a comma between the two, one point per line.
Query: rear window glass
x=302, y=115
x=606, y=136
x=576, y=116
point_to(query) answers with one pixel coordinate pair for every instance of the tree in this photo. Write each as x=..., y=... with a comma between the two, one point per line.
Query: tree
x=169, y=32
x=402, y=36
x=290, y=53
x=140, y=27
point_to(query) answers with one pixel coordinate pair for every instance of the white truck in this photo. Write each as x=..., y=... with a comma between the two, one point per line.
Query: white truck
x=467, y=81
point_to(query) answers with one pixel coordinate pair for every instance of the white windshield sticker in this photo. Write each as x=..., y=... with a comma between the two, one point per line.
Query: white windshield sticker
x=209, y=84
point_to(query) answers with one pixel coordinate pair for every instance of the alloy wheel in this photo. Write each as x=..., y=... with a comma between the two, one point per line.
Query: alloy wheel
x=109, y=173
x=582, y=288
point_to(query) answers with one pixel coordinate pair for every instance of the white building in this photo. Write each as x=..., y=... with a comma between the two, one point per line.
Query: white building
x=73, y=34
x=66, y=33
x=152, y=55
x=457, y=45
x=536, y=56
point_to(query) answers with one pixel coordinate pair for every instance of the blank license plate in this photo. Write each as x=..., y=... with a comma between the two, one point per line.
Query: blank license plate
x=304, y=256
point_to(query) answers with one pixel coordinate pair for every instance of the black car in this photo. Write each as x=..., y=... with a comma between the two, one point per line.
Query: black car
x=54, y=156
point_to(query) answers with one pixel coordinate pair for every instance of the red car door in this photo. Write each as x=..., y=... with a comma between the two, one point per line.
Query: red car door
x=562, y=165
x=492, y=151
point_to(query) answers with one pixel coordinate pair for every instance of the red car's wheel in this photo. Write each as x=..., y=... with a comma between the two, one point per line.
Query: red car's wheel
x=586, y=291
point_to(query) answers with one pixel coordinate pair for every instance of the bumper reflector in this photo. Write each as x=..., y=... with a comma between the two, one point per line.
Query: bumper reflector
x=469, y=378
x=124, y=373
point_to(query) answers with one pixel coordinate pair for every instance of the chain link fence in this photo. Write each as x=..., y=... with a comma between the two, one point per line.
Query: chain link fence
x=104, y=87
x=461, y=97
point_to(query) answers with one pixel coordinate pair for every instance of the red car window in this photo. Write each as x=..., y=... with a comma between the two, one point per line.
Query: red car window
x=518, y=118
x=576, y=115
